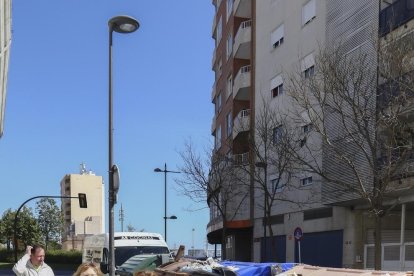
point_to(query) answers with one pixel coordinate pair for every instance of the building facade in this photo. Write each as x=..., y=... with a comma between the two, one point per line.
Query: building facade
x=5, y=42
x=258, y=46
x=79, y=222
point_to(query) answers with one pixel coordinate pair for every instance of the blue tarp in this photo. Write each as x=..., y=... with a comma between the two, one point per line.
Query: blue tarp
x=256, y=269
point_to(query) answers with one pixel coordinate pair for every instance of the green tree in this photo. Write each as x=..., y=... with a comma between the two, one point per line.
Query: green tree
x=28, y=230
x=6, y=228
x=49, y=218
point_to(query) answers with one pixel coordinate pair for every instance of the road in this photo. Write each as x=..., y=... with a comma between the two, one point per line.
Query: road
x=9, y=272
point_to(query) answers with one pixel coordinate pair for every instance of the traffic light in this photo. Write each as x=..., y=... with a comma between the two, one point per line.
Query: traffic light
x=82, y=201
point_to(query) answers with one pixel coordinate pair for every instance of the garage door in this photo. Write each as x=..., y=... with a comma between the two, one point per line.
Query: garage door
x=321, y=248
x=277, y=254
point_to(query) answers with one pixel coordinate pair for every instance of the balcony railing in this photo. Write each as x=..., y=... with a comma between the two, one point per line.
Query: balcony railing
x=241, y=85
x=242, y=40
x=395, y=15
x=241, y=123
x=213, y=124
x=213, y=92
x=241, y=159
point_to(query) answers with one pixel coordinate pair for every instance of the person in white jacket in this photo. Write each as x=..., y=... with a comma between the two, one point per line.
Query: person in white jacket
x=32, y=263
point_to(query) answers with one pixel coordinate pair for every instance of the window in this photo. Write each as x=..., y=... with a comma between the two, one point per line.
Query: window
x=229, y=119
x=307, y=128
x=218, y=137
x=309, y=72
x=218, y=103
x=229, y=45
x=219, y=30
x=277, y=134
x=277, y=36
x=308, y=12
x=306, y=181
x=276, y=86
x=219, y=66
x=229, y=86
x=277, y=185
x=278, y=90
x=308, y=66
x=229, y=8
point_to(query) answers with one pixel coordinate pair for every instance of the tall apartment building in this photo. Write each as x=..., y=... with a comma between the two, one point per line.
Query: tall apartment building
x=79, y=222
x=5, y=42
x=258, y=44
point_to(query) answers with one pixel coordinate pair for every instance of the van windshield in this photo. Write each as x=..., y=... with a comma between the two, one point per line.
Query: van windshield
x=123, y=253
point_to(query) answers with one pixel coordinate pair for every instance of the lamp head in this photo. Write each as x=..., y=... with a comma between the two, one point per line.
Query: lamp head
x=157, y=170
x=123, y=24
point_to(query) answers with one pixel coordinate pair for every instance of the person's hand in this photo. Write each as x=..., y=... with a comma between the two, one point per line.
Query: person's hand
x=29, y=249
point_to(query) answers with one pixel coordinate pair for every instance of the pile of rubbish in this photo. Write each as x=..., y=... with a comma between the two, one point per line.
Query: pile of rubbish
x=226, y=268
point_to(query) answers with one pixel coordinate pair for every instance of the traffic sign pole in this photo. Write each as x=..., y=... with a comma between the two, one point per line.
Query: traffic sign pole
x=298, y=234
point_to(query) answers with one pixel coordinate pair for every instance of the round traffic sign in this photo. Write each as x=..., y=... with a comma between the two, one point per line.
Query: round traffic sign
x=298, y=234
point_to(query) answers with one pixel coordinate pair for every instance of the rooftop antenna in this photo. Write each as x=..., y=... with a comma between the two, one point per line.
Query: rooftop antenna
x=83, y=168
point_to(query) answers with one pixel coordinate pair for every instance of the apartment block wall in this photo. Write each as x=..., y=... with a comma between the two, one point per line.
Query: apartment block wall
x=353, y=27
x=5, y=42
x=82, y=221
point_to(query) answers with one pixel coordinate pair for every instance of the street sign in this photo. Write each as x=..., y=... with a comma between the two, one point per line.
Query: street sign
x=298, y=234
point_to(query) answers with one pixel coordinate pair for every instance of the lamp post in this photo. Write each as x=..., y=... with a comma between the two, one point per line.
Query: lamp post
x=263, y=165
x=119, y=24
x=165, y=171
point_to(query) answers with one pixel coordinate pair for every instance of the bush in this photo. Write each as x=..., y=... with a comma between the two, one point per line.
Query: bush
x=52, y=256
x=64, y=257
x=6, y=256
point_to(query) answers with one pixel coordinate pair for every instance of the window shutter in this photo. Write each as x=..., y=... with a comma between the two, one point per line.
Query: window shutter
x=277, y=34
x=307, y=62
x=276, y=81
x=308, y=11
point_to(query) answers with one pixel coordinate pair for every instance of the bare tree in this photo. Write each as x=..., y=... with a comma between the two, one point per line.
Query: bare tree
x=210, y=178
x=357, y=103
x=271, y=143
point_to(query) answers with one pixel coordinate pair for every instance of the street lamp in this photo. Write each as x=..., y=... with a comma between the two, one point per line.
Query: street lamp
x=82, y=204
x=263, y=165
x=165, y=171
x=119, y=24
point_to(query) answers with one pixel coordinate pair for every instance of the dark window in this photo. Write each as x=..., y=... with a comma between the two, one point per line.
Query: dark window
x=277, y=219
x=306, y=181
x=277, y=91
x=318, y=213
x=278, y=43
x=307, y=128
x=309, y=72
x=277, y=134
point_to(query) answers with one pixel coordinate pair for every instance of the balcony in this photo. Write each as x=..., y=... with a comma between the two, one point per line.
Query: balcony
x=213, y=124
x=213, y=27
x=213, y=59
x=213, y=92
x=395, y=15
x=242, y=8
x=241, y=87
x=241, y=123
x=242, y=41
x=241, y=159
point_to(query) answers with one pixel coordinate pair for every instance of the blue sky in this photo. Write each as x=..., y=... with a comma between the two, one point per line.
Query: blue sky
x=56, y=108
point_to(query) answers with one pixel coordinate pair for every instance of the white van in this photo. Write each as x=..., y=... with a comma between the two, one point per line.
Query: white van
x=126, y=245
